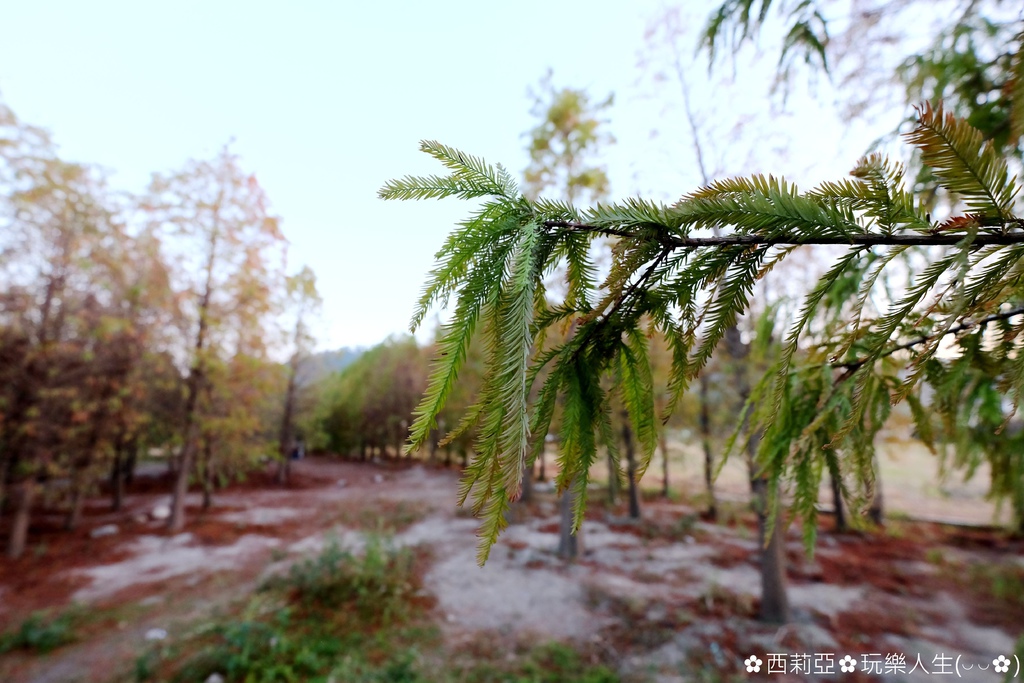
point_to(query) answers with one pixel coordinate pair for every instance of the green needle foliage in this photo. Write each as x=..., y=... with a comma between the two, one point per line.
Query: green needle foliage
x=842, y=365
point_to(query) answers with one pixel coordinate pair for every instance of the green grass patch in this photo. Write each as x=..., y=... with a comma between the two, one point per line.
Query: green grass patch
x=1003, y=583
x=375, y=586
x=40, y=634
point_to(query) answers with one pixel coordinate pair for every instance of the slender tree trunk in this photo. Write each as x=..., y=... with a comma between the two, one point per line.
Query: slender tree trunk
x=284, y=443
x=876, y=512
x=705, y=439
x=131, y=461
x=465, y=457
x=196, y=375
x=774, y=598
x=207, y=476
x=22, y=495
x=284, y=467
x=837, y=504
x=176, y=522
x=526, y=494
x=613, y=481
x=570, y=545
x=21, y=488
x=117, y=478
x=516, y=512
x=74, y=516
x=18, y=489
x=663, y=445
x=434, y=435
x=634, y=494
x=542, y=475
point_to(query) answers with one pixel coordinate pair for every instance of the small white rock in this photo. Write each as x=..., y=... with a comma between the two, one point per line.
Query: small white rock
x=105, y=530
x=342, y=483
x=378, y=478
x=214, y=678
x=156, y=634
x=161, y=512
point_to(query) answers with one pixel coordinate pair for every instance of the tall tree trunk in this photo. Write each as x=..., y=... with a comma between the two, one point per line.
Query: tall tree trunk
x=131, y=461
x=774, y=598
x=634, y=494
x=196, y=376
x=570, y=545
x=21, y=488
x=284, y=443
x=434, y=436
x=176, y=522
x=526, y=492
x=837, y=504
x=207, y=475
x=663, y=445
x=516, y=511
x=78, y=486
x=22, y=495
x=117, y=468
x=876, y=512
x=613, y=480
x=705, y=439
x=542, y=475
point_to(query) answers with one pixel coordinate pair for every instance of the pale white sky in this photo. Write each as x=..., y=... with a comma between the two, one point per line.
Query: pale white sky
x=328, y=100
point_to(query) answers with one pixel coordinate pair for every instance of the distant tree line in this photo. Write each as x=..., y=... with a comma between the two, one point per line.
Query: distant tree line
x=137, y=326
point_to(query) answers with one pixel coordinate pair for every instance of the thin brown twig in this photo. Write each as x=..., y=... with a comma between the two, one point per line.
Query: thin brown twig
x=852, y=366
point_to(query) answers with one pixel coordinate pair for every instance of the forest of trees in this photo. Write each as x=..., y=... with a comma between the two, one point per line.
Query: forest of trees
x=135, y=326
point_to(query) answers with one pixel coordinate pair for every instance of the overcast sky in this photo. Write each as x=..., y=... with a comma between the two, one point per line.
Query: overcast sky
x=326, y=101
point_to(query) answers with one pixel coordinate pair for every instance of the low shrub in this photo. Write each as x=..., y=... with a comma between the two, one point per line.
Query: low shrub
x=263, y=652
x=376, y=585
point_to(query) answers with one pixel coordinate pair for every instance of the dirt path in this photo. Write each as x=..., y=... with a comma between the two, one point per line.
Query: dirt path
x=660, y=597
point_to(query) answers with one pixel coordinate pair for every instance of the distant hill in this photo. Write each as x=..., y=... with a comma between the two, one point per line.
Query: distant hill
x=322, y=364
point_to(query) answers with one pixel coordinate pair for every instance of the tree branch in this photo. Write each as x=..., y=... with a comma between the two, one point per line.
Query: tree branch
x=621, y=299
x=865, y=239
x=853, y=365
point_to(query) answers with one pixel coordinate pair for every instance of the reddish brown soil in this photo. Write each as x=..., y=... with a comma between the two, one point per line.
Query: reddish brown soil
x=40, y=579
x=901, y=570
